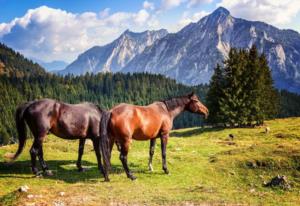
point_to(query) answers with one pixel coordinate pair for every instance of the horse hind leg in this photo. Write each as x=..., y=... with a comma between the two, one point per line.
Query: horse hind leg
x=41, y=157
x=123, y=158
x=151, y=153
x=42, y=162
x=80, y=153
x=96, y=144
x=37, y=150
x=33, y=154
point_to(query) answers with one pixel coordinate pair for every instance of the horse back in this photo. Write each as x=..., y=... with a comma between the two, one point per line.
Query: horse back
x=138, y=122
x=64, y=120
x=78, y=121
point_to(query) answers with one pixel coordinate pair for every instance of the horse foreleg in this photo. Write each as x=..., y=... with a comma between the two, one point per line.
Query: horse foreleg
x=123, y=158
x=151, y=153
x=80, y=153
x=164, y=142
x=96, y=144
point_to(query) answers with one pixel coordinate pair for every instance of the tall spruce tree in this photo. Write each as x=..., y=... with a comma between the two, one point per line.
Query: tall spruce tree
x=267, y=92
x=242, y=93
x=213, y=103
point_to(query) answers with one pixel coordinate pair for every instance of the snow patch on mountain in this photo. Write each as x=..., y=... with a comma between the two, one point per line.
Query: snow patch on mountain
x=190, y=55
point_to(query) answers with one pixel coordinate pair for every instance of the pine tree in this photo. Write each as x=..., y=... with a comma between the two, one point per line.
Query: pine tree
x=267, y=92
x=242, y=93
x=213, y=95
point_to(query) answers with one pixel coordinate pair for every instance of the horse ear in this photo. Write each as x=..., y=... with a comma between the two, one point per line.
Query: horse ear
x=191, y=94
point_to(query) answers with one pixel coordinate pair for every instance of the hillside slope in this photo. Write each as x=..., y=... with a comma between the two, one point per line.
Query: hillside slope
x=206, y=168
x=14, y=63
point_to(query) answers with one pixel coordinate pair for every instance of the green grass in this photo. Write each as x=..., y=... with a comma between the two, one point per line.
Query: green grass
x=204, y=169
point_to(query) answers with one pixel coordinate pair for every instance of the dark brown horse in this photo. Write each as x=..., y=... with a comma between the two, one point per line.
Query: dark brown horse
x=78, y=121
x=129, y=122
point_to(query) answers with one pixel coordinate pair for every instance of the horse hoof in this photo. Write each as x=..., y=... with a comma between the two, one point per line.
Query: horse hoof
x=166, y=171
x=150, y=168
x=106, y=179
x=35, y=171
x=48, y=173
x=38, y=174
x=132, y=177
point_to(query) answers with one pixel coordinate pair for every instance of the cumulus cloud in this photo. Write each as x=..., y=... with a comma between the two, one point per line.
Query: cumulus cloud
x=276, y=12
x=148, y=5
x=141, y=17
x=169, y=4
x=189, y=18
x=198, y=2
x=104, y=13
x=50, y=34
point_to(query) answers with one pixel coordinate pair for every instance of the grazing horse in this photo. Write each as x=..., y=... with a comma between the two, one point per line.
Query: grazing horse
x=129, y=122
x=78, y=121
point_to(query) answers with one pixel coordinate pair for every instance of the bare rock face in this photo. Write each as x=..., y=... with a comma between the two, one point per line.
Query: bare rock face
x=279, y=181
x=115, y=56
x=191, y=54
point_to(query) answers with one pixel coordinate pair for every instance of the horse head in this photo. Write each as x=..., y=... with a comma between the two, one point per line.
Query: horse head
x=196, y=106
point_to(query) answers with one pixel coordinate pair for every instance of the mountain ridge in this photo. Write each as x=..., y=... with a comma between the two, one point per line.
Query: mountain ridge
x=190, y=55
x=114, y=56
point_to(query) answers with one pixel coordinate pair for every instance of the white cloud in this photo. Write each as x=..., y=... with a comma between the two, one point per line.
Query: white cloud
x=141, y=17
x=197, y=2
x=188, y=18
x=104, y=13
x=54, y=34
x=276, y=12
x=169, y=4
x=148, y=5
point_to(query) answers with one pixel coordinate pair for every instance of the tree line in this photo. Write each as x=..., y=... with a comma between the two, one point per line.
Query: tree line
x=22, y=80
x=105, y=90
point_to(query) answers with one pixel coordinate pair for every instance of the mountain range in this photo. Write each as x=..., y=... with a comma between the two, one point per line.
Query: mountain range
x=115, y=56
x=190, y=55
x=53, y=66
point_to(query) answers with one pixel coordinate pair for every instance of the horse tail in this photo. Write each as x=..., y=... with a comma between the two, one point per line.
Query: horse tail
x=104, y=139
x=21, y=128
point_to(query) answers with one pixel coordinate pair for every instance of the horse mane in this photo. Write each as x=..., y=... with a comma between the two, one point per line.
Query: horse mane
x=98, y=107
x=94, y=106
x=174, y=102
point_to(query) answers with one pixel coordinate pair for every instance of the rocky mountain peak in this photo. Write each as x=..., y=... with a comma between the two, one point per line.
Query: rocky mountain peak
x=190, y=55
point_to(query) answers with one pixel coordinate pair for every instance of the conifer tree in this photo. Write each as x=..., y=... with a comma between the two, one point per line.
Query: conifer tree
x=213, y=103
x=242, y=93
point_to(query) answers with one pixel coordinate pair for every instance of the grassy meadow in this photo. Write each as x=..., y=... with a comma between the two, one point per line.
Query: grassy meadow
x=206, y=168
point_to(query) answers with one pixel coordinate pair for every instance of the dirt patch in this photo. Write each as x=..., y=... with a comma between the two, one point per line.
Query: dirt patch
x=232, y=152
x=227, y=142
x=292, y=162
x=284, y=136
x=280, y=181
x=212, y=159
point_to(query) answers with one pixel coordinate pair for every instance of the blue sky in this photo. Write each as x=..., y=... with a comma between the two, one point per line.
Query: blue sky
x=61, y=29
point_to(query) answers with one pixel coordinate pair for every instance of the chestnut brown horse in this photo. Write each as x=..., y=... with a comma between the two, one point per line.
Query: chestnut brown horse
x=78, y=121
x=129, y=122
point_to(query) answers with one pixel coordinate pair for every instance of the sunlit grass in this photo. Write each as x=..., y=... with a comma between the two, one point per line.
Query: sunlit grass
x=204, y=168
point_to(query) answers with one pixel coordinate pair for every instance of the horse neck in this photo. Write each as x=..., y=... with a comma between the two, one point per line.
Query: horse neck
x=176, y=106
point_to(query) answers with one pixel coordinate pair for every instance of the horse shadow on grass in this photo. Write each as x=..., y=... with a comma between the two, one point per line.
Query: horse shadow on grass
x=64, y=170
x=194, y=131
